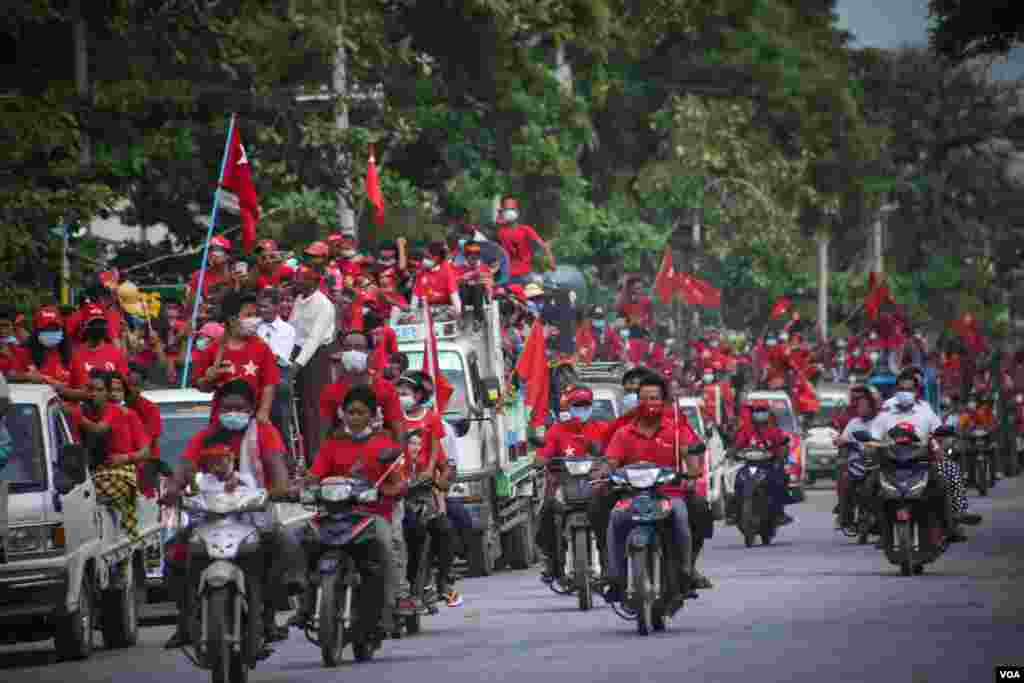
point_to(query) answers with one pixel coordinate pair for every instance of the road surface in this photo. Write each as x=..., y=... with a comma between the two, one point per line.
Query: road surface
x=813, y=607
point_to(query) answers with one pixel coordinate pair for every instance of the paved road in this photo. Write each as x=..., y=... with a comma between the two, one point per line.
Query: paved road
x=813, y=607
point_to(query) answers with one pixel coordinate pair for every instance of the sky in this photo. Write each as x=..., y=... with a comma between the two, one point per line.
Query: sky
x=893, y=23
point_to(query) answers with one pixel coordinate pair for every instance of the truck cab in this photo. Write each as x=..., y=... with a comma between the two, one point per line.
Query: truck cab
x=67, y=568
x=495, y=483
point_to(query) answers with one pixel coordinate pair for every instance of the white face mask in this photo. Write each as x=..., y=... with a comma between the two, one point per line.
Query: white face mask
x=510, y=215
x=629, y=401
x=708, y=379
x=408, y=402
x=348, y=253
x=564, y=416
x=428, y=263
x=354, y=361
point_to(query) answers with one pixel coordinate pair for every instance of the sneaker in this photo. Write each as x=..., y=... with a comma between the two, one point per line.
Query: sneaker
x=453, y=598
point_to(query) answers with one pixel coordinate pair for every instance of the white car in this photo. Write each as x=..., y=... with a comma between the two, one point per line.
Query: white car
x=714, y=456
x=821, y=455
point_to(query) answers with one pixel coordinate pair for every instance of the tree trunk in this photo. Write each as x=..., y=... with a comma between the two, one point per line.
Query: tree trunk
x=823, y=243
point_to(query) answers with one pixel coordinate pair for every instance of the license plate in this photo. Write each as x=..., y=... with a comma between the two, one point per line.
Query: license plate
x=903, y=515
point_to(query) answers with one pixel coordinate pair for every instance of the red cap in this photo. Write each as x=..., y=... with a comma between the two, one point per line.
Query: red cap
x=93, y=312
x=580, y=396
x=45, y=317
x=509, y=203
x=220, y=242
x=317, y=249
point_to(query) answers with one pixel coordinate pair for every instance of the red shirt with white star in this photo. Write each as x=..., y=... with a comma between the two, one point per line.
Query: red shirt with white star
x=253, y=362
x=105, y=357
x=571, y=439
x=436, y=285
x=630, y=445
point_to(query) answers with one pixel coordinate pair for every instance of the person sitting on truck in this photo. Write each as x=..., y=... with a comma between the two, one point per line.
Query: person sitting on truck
x=353, y=449
x=436, y=283
x=352, y=365
x=14, y=358
x=49, y=349
x=97, y=353
x=118, y=442
x=476, y=281
x=149, y=413
x=578, y=436
x=264, y=455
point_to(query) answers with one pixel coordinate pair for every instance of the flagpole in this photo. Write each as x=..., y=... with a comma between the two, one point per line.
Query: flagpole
x=206, y=251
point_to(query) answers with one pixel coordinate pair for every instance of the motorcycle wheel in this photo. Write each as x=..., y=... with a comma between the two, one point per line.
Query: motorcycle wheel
x=218, y=619
x=641, y=591
x=332, y=630
x=767, y=532
x=581, y=555
x=981, y=475
x=746, y=524
x=363, y=652
x=901, y=531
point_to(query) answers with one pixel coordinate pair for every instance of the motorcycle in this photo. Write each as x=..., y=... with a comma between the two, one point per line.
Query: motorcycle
x=576, y=550
x=227, y=554
x=912, y=525
x=756, y=516
x=864, y=520
x=649, y=597
x=419, y=505
x=977, y=453
x=337, y=578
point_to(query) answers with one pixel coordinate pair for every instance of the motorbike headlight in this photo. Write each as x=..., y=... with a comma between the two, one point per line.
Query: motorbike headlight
x=978, y=434
x=643, y=478
x=578, y=468
x=369, y=496
x=335, y=493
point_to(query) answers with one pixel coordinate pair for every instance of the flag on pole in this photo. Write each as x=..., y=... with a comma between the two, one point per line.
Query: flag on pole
x=237, y=190
x=443, y=389
x=373, y=192
x=664, y=283
x=878, y=295
x=533, y=368
x=697, y=292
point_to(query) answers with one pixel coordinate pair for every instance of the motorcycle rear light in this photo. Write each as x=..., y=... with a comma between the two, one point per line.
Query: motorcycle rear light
x=903, y=515
x=177, y=553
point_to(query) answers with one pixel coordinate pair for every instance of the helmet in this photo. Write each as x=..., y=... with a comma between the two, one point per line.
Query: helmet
x=580, y=396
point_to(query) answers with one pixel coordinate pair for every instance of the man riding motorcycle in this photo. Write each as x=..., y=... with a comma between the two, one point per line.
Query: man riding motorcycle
x=758, y=430
x=906, y=407
x=865, y=401
x=576, y=437
x=656, y=436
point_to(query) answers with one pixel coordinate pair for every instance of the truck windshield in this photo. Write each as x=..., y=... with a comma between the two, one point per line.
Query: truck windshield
x=181, y=421
x=26, y=469
x=604, y=410
x=454, y=369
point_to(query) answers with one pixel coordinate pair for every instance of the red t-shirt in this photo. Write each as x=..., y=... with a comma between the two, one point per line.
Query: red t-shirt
x=149, y=414
x=432, y=429
x=127, y=434
x=436, y=285
x=629, y=445
x=385, y=343
x=387, y=398
x=274, y=279
x=85, y=359
x=571, y=439
x=254, y=363
x=14, y=359
x=73, y=326
x=357, y=459
x=517, y=241
x=211, y=279
x=638, y=312
x=269, y=440
x=53, y=367
x=348, y=270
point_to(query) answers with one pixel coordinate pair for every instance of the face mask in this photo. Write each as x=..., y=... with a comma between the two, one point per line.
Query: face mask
x=581, y=413
x=135, y=321
x=235, y=421
x=760, y=417
x=905, y=399
x=462, y=243
x=770, y=342
x=386, y=262
x=564, y=416
x=783, y=338
x=708, y=379
x=348, y=253
x=355, y=436
x=202, y=343
x=429, y=403
x=629, y=402
x=650, y=411
x=8, y=340
x=873, y=336
x=428, y=263
x=714, y=345
x=354, y=361
x=51, y=339
x=408, y=402
x=510, y=215
x=249, y=326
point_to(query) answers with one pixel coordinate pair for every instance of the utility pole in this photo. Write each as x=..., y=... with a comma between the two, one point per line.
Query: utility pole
x=339, y=84
x=823, y=244
x=80, y=38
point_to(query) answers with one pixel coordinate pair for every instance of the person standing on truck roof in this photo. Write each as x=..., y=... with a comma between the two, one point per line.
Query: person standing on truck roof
x=518, y=240
x=314, y=319
x=436, y=284
x=97, y=353
x=352, y=366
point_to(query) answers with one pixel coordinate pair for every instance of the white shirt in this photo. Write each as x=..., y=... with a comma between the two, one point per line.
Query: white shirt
x=313, y=318
x=280, y=337
x=921, y=416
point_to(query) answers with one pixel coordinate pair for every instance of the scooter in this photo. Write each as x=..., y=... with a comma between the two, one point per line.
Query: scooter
x=649, y=567
x=912, y=526
x=977, y=453
x=226, y=552
x=576, y=550
x=341, y=528
x=756, y=516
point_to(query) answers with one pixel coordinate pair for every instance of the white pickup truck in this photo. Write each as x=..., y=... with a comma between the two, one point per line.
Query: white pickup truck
x=66, y=566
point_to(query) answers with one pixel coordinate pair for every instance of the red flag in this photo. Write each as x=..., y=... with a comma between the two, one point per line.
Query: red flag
x=806, y=398
x=878, y=295
x=697, y=292
x=780, y=307
x=664, y=283
x=237, y=191
x=373, y=192
x=533, y=368
x=442, y=387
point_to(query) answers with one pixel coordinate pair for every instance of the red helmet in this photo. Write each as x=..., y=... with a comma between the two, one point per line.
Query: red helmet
x=580, y=396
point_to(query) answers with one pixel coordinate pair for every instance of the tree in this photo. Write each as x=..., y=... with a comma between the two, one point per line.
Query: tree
x=965, y=30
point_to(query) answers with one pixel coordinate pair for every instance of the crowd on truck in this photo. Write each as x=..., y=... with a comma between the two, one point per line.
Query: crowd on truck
x=441, y=409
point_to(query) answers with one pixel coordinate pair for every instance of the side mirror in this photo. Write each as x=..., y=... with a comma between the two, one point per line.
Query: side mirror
x=389, y=455
x=696, y=449
x=862, y=436
x=459, y=424
x=72, y=464
x=490, y=394
x=944, y=431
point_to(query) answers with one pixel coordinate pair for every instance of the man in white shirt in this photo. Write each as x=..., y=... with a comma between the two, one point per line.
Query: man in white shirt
x=313, y=317
x=280, y=337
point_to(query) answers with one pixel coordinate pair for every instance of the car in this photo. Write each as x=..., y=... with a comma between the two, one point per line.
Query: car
x=714, y=456
x=821, y=454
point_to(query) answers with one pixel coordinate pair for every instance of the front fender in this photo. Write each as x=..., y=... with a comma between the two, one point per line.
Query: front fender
x=221, y=573
x=77, y=561
x=642, y=536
